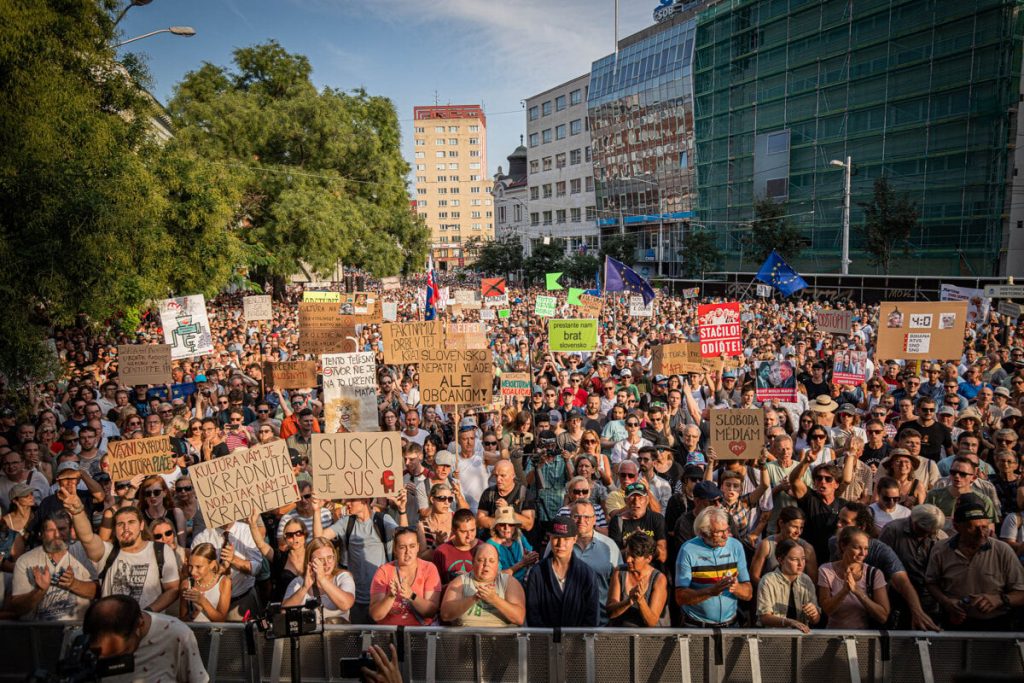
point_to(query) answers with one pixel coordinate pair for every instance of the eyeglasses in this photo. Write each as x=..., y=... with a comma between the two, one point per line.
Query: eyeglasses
x=627, y=475
x=184, y=489
x=121, y=485
x=490, y=444
x=632, y=424
x=222, y=402
x=959, y=473
x=643, y=460
x=263, y=412
x=876, y=431
x=891, y=499
x=586, y=442
x=307, y=496
x=581, y=492
x=294, y=534
x=581, y=517
x=444, y=499
x=153, y=493
x=824, y=478
x=925, y=410
x=166, y=534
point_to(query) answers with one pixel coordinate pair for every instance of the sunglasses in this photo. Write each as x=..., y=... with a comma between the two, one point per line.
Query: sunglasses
x=184, y=489
x=167, y=534
x=294, y=534
x=627, y=475
x=444, y=499
x=876, y=431
x=581, y=492
x=824, y=478
x=263, y=412
x=632, y=424
x=489, y=444
x=153, y=493
x=959, y=473
x=925, y=410
x=307, y=496
x=817, y=436
x=891, y=499
x=121, y=485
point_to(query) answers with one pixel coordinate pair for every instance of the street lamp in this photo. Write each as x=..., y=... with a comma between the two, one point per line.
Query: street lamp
x=848, y=166
x=176, y=30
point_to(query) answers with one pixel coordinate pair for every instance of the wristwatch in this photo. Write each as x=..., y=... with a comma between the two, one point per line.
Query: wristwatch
x=412, y=598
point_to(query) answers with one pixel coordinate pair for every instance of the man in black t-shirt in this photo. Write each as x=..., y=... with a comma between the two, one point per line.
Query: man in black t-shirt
x=637, y=517
x=816, y=384
x=506, y=492
x=936, y=439
x=820, y=505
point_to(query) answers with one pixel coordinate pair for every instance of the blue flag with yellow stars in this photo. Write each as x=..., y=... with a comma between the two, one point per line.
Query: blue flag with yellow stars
x=618, y=277
x=780, y=275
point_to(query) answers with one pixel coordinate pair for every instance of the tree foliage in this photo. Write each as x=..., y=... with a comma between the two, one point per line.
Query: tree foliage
x=889, y=219
x=619, y=247
x=546, y=258
x=769, y=230
x=496, y=257
x=322, y=174
x=581, y=269
x=699, y=251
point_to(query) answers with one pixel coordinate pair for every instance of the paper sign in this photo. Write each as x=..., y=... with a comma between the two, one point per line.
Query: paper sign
x=143, y=364
x=128, y=458
x=456, y=376
x=258, y=308
x=638, y=309
x=850, y=367
x=467, y=298
x=407, y=342
x=467, y=336
x=737, y=433
x=389, y=284
x=389, y=310
x=299, y=374
x=492, y=287
x=350, y=392
x=232, y=487
x=691, y=293
x=572, y=335
x=978, y=304
x=720, y=329
x=764, y=291
x=516, y=384
x=186, y=327
x=592, y=305
x=322, y=297
x=775, y=380
x=322, y=330
x=920, y=330
x=504, y=313
x=487, y=314
x=1010, y=309
x=834, y=322
x=359, y=465
x=545, y=307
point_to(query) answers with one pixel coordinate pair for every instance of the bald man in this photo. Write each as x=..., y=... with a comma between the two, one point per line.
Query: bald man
x=506, y=492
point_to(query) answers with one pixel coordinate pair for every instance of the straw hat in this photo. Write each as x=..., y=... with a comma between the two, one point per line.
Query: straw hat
x=506, y=515
x=824, y=404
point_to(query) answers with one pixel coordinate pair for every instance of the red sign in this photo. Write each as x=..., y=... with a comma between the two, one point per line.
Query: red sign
x=720, y=329
x=492, y=286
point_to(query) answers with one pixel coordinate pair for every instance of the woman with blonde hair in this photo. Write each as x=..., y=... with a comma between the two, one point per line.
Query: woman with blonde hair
x=206, y=595
x=325, y=581
x=851, y=592
x=590, y=445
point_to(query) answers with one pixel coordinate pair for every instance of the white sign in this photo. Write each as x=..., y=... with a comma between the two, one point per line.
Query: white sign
x=258, y=308
x=350, y=392
x=186, y=327
x=487, y=314
x=978, y=304
x=637, y=308
x=1009, y=308
x=389, y=310
x=917, y=342
x=764, y=291
x=1004, y=291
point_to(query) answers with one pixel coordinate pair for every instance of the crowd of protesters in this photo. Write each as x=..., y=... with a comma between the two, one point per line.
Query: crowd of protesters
x=595, y=501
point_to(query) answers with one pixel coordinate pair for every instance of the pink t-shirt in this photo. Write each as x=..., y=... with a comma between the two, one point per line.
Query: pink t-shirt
x=851, y=613
x=427, y=581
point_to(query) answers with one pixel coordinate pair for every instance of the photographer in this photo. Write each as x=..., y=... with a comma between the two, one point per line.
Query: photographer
x=163, y=648
x=547, y=472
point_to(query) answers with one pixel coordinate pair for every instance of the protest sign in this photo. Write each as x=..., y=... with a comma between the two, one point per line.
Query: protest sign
x=673, y=359
x=691, y=293
x=128, y=458
x=299, y=374
x=487, y=314
x=258, y=308
x=357, y=465
x=833, y=322
x=236, y=485
x=504, y=313
x=407, y=342
x=850, y=367
x=389, y=284
x=322, y=330
x=467, y=336
x=978, y=304
x=737, y=433
x=592, y=305
x=775, y=380
x=1010, y=309
x=572, y=335
x=467, y=298
x=919, y=330
x=143, y=364
x=443, y=297
x=359, y=304
x=321, y=297
x=456, y=376
x=545, y=307
x=638, y=309
x=491, y=287
x=389, y=310
x=764, y=291
x=350, y=392
x=720, y=329
x=186, y=327
x=516, y=384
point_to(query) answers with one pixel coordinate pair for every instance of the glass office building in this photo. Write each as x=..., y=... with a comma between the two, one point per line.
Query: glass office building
x=923, y=92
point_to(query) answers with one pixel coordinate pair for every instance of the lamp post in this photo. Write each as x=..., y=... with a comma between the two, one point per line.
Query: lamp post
x=176, y=30
x=848, y=167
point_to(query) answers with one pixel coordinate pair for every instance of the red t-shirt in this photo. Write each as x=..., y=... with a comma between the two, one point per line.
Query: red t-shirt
x=427, y=581
x=450, y=562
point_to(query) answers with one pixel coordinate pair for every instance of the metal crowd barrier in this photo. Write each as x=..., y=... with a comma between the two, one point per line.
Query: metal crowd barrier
x=531, y=655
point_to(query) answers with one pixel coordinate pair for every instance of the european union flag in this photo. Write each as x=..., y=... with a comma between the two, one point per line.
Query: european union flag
x=618, y=277
x=780, y=275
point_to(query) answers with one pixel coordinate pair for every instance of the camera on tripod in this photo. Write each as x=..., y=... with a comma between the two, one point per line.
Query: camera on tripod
x=292, y=622
x=83, y=665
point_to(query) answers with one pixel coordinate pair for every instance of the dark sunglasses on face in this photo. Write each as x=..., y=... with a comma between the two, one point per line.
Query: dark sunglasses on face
x=153, y=493
x=294, y=534
x=307, y=496
x=165, y=534
x=581, y=492
x=444, y=499
x=184, y=489
x=824, y=478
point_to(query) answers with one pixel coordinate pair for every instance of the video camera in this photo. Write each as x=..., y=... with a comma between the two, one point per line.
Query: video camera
x=291, y=622
x=82, y=665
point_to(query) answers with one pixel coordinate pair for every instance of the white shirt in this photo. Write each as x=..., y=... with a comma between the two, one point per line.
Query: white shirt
x=418, y=438
x=168, y=652
x=882, y=517
x=57, y=604
x=343, y=580
x=135, y=574
x=245, y=546
x=621, y=450
x=473, y=476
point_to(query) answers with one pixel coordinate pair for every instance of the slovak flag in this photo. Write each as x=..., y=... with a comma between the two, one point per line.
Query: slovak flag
x=430, y=308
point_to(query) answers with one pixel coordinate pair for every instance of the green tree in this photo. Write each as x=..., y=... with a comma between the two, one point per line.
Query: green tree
x=620, y=247
x=889, y=219
x=546, y=258
x=322, y=172
x=769, y=230
x=496, y=257
x=581, y=269
x=699, y=251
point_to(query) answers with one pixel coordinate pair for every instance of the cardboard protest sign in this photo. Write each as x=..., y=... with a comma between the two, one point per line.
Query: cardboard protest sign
x=850, y=367
x=638, y=309
x=457, y=376
x=143, y=364
x=350, y=392
x=389, y=284
x=545, y=306
x=918, y=330
x=516, y=384
x=408, y=342
x=234, y=486
x=492, y=287
x=467, y=336
x=130, y=457
x=186, y=326
x=389, y=310
x=467, y=298
x=299, y=374
x=1010, y=309
x=487, y=314
x=322, y=297
x=834, y=322
x=572, y=335
x=737, y=433
x=978, y=305
x=357, y=465
x=322, y=330
x=775, y=380
x=720, y=329
x=673, y=359
x=258, y=308
x=592, y=305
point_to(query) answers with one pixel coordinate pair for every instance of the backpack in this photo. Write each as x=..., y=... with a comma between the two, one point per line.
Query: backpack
x=116, y=550
x=378, y=524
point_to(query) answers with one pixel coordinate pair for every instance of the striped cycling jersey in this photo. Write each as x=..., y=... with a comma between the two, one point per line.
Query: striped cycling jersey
x=699, y=566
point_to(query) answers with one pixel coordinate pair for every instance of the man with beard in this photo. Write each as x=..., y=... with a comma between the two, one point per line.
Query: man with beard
x=55, y=581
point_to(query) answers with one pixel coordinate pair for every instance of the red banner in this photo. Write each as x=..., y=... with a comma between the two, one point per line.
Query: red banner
x=720, y=329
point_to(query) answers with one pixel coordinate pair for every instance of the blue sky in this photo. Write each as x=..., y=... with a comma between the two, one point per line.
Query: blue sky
x=489, y=51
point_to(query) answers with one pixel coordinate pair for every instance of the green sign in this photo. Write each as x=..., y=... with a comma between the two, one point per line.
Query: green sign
x=504, y=312
x=552, y=281
x=572, y=335
x=574, y=296
x=545, y=306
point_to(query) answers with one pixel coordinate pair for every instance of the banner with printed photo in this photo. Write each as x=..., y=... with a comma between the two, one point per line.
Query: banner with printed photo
x=358, y=303
x=775, y=380
x=260, y=307
x=186, y=327
x=691, y=293
x=232, y=487
x=720, y=329
x=978, y=305
x=850, y=367
x=921, y=330
x=350, y=392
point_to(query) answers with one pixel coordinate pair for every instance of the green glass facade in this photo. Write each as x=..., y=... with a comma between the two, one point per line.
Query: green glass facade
x=923, y=92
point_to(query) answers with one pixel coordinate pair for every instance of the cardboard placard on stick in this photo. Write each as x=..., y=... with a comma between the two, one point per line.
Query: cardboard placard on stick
x=920, y=330
x=232, y=487
x=392, y=283
x=131, y=457
x=737, y=433
x=674, y=359
x=322, y=330
x=516, y=384
x=357, y=465
x=350, y=392
x=472, y=336
x=143, y=364
x=833, y=322
x=259, y=307
x=591, y=306
x=457, y=376
x=299, y=374
x=409, y=342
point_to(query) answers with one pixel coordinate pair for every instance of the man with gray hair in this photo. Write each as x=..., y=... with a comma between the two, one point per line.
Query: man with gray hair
x=711, y=573
x=912, y=538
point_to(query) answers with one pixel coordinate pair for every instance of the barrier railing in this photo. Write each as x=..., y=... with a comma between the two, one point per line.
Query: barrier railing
x=532, y=655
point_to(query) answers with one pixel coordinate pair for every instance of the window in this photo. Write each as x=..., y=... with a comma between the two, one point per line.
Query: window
x=560, y=188
x=576, y=127
x=439, y=154
x=474, y=141
x=455, y=202
x=453, y=166
x=439, y=167
x=442, y=202
x=547, y=191
x=589, y=183
x=684, y=159
x=777, y=187
x=420, y=143
x=474, y=190
x=587, y=156
x=474, y=202
x=442, y=178
x=418, y=129
x=560, y=132
x=575, y=97
x=422, y=202
x=453, y=141
x=453, y=129
x=560, y=216
x=453, y=153
x=476, y=226
x=453, y=190
x=560, y=103
x=423, y=216
x=439, y=141
x=438, y=129
x=421, y=178
x=420, y=155
x=456, y=214
x=442, y=214
x=534, y=139
x=455, y=178
x=575, y=157
x=778, y=142
x=475, y=166
x=421, y=190
x=535, y=193
x=574, y=186
x=476, y=214
x=474, y=152
x=534, y=218
x=534, y=166
x=518, y=212
x=560, y=160
x=547, y=163
x=474, y=129
x=534, y=113
x=591, y=213
x=547, y=218
x=545, y=135
x=474, y=178
x=574, y=215
x=545, y=109
x=421, y=167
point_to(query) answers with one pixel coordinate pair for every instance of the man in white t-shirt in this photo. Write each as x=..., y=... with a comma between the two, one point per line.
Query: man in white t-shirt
x=56, y=581
x=412, y=432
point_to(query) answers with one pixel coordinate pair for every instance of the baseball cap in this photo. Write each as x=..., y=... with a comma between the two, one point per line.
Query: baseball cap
x=67, y=466
x=969, y=507
x=563, y=527
x=19, y=490
x=626, y=373
x=444, y=458
x=729, y=374
x=848, y=408
x=707, y=490
x=946, y=410
x=637, y=488
x=658, y=379
x=200, y=378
